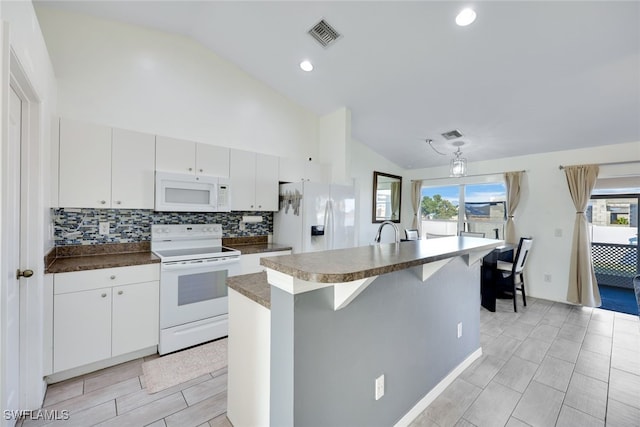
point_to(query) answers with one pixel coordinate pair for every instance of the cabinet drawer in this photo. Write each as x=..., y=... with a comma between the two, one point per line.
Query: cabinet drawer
x=104, y=277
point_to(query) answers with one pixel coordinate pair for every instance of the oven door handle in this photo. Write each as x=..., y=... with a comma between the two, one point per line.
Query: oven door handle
x=215, y=262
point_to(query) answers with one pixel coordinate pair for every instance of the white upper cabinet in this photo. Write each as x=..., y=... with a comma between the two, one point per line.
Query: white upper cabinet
x=295, y=170
x=254, y=181
x=85, y=165
x=101, y=167
x=188, y=157
x=132, y=167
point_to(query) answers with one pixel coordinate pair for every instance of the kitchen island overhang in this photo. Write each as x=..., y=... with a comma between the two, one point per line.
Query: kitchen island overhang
x=325, y=356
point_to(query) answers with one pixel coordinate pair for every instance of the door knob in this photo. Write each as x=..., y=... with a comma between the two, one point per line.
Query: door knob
x=24, y=273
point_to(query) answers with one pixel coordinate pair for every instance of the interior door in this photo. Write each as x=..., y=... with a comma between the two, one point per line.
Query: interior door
x=11, y=292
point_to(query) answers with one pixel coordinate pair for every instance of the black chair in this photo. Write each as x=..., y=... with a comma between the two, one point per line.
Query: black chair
x=512, y=272
x=412, y=234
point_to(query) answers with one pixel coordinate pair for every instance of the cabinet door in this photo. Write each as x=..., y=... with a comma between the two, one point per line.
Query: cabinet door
x=135, y=320
x=266, y=189
x=81, y=328
x=212, y=160
x=242, y=176
x=175, y=155
x=132, y=170
x=85, y=165
x=291, y=170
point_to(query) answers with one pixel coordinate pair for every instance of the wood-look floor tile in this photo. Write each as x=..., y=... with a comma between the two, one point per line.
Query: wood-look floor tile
x=621, y=415
x=570, y=417
x=578, y=318
x=587, y=395
x=624, y=387
x=518, y=330
x=502, y=347
x=493, y=407
x=112, y=375
x=199, y=413
x=421, y=420
x=554, y=319
x=539, y=406
x=447, y=408
x=149, y=413
x=601, y=315
x=142, y=397
x=205, y=389
x=220, y=421
x=88, y=417
x=63, y=391
x=463, y=423
x=628, y=341
x=99, y=396
x=159, y=423
x=514, y=422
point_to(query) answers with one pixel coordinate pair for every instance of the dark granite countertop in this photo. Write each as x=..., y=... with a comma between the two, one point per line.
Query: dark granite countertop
x=253, y=286
x=253, y=245
x=347, y=265
x=65, y=259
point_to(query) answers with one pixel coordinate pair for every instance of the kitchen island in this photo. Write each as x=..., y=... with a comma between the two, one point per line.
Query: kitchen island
x=338, y=320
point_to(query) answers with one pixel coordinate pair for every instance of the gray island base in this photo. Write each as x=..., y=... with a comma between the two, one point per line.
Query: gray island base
x=341, y=319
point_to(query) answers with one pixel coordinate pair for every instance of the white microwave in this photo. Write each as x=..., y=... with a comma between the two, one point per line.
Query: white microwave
x=189, y=193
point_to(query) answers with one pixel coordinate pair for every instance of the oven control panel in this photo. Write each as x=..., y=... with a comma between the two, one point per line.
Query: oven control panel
x=185, y=231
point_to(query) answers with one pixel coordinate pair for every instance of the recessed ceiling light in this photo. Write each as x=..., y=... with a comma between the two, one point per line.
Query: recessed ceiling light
x=306, y=65
x=465, y=17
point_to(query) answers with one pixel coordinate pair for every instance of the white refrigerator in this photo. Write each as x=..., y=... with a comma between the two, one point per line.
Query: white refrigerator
x=315, y=217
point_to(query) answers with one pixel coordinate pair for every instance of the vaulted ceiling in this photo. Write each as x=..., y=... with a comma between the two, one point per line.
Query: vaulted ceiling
x=525, y=77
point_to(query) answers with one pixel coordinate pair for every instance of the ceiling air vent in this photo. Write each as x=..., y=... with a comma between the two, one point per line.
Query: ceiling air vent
x=452, y=134
x=324, y=33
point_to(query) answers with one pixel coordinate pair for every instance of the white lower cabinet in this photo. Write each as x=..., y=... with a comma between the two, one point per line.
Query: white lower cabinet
x=92, y=323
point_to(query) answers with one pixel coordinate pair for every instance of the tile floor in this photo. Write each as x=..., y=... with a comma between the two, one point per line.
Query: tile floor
x=550, y=364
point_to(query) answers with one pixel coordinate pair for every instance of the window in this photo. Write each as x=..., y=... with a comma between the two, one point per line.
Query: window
x=484, y=209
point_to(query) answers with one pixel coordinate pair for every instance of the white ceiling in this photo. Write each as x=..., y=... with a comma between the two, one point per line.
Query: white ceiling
x=526, y=77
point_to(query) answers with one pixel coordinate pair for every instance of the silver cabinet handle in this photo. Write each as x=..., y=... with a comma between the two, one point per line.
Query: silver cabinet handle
x=112, y=277
x=259, y=206
x=200, y=170
x=103, y=202
x=190, y=169
x=120, y=292
x=118, y=202
x=103, y=295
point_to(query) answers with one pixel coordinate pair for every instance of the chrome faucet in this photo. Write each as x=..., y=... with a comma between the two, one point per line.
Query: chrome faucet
x=378, y=234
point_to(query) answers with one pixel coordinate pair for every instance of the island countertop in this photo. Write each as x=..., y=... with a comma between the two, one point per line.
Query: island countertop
x=347, y=265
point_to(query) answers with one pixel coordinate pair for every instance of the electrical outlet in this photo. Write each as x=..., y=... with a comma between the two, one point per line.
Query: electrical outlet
x=547, y=277
x=459, y=329
x=103, y=228
x=379, y=387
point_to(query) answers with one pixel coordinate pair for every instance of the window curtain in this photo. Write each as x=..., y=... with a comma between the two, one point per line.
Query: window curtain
x=512, y=182
x=395, y=201
x=583, y=287
x=416, y=187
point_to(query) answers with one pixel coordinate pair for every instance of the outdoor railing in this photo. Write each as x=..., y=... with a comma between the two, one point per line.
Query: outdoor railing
x=615, y=264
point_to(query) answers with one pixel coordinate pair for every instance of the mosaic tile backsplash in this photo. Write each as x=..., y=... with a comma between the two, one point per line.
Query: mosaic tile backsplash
x=80, y=226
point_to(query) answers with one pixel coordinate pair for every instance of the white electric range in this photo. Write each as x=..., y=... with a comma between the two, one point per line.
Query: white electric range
x=194, y=267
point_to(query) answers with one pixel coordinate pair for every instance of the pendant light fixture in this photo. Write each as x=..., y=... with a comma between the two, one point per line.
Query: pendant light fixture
x=458, y=165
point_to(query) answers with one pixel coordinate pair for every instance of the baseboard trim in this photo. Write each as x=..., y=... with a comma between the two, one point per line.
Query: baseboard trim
x=437, y=390
x=96, y=366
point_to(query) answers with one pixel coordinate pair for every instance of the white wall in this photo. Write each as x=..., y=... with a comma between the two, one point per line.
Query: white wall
x=334, y=144
x=27, y=43
x=363, y=162
x=150, y=81
x=545, y=205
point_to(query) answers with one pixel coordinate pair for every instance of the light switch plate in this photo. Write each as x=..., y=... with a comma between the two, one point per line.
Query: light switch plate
x=103, y=228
